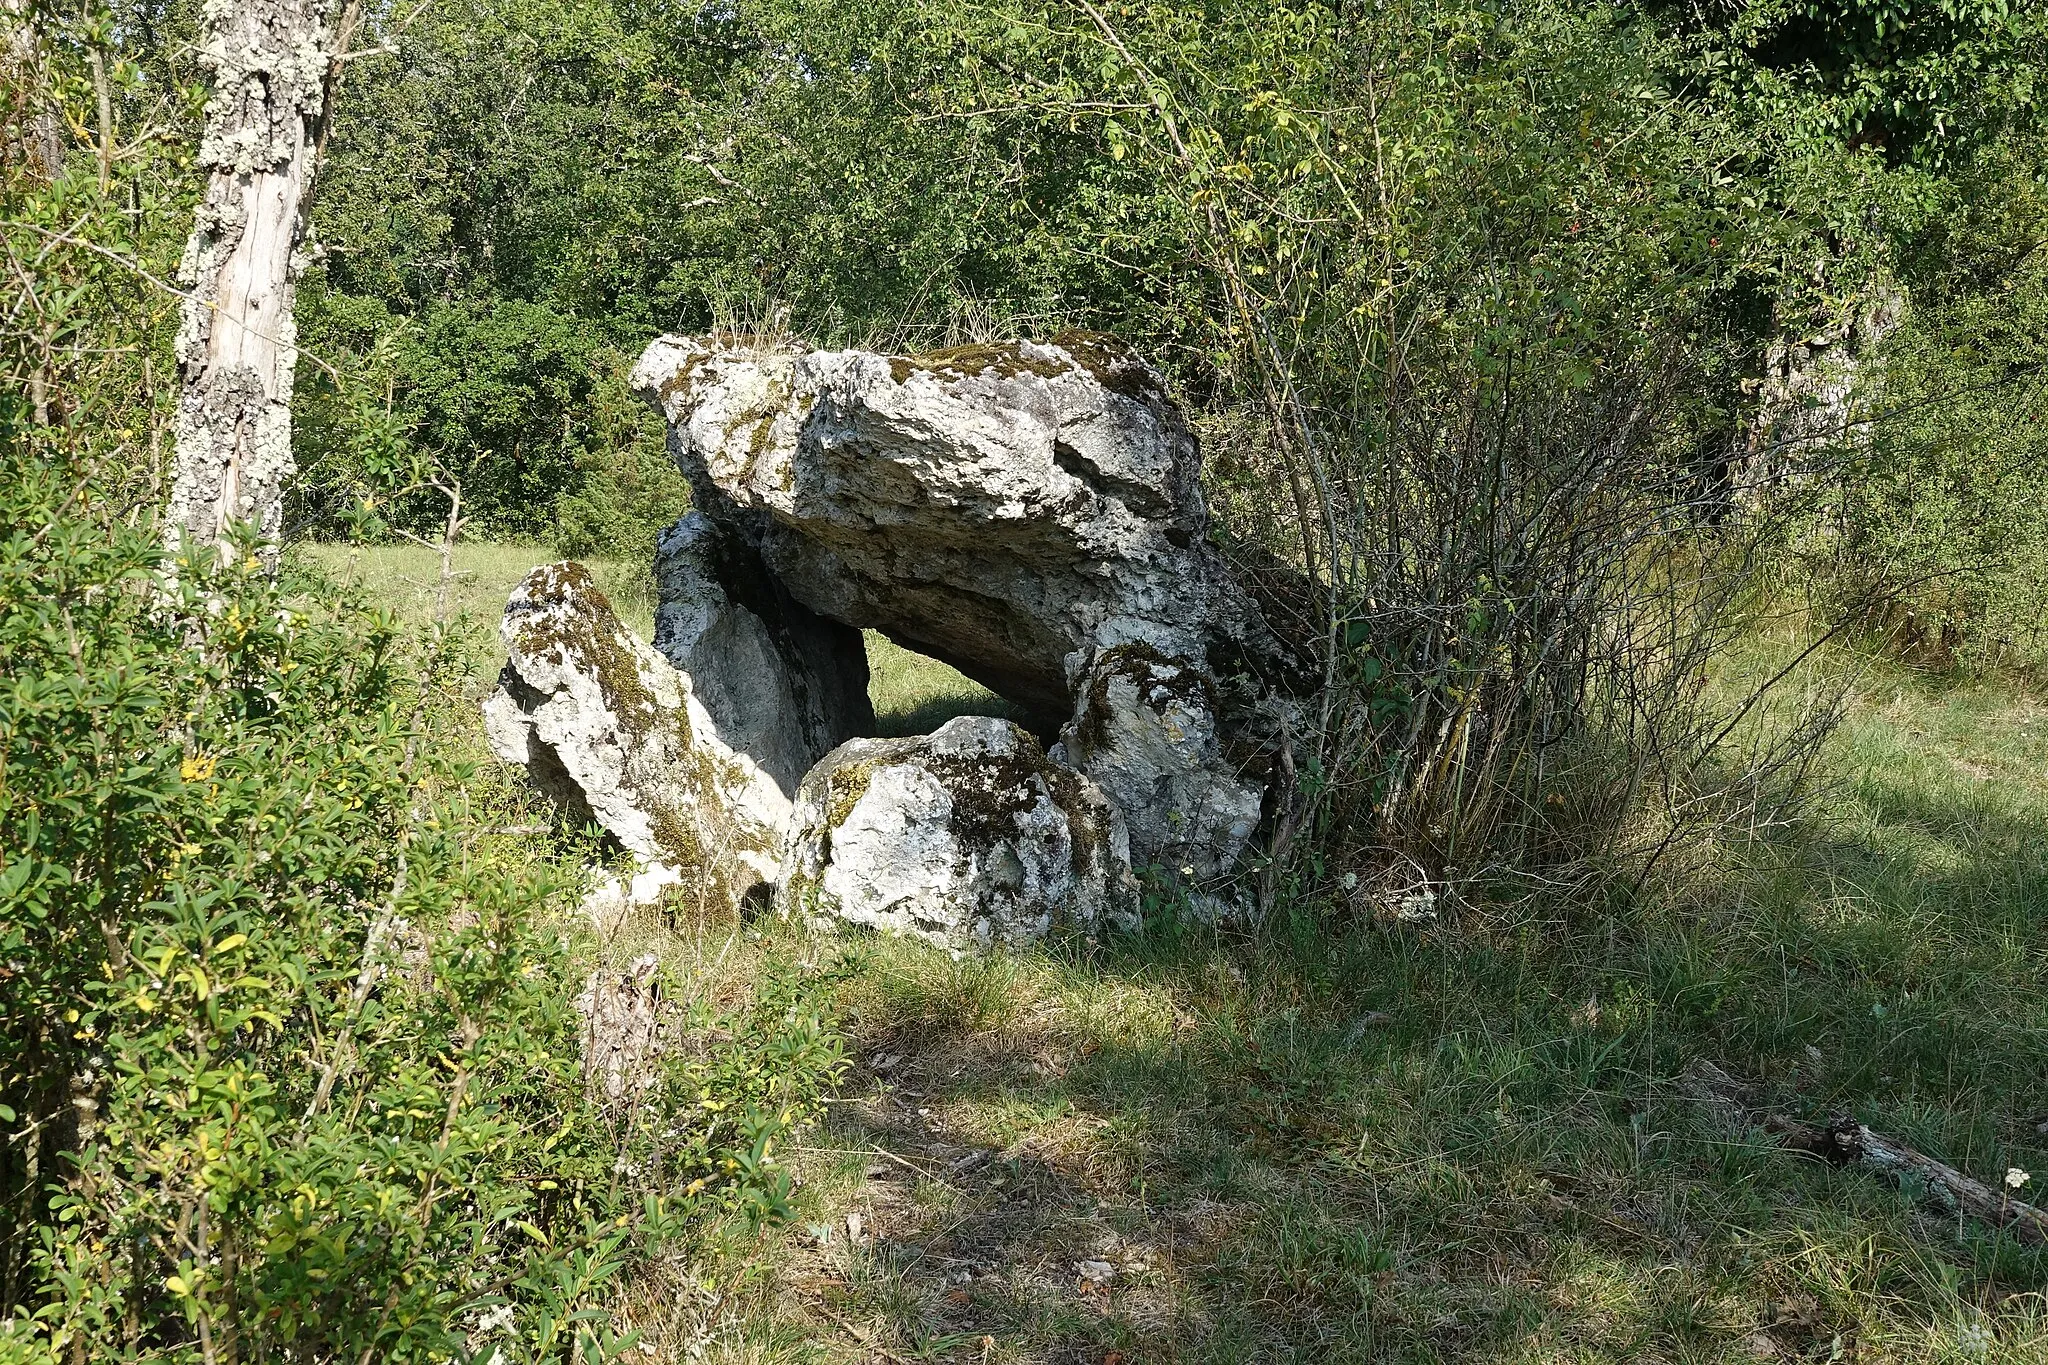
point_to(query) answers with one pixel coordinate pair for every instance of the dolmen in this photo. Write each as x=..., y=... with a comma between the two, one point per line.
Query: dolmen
x=1030, y=513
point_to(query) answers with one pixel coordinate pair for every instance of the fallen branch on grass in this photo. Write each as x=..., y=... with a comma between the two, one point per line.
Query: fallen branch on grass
x=1842, y=1141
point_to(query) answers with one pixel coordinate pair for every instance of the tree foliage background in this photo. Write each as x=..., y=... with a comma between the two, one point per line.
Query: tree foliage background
x=519, y=194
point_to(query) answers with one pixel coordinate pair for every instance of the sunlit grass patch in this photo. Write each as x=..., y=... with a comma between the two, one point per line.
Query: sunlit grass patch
x=914, y=695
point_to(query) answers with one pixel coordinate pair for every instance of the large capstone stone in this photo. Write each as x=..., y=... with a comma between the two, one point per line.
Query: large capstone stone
x=615, y=734
x=968, y=837
x=783, y=685
x=1009, y=509
x=1029, y=513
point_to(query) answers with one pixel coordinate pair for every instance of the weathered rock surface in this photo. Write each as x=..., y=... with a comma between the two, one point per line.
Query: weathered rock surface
x=1148, y=731
x=1030, y=513
x=969, y=836
x=614, y=733
x=783, y=685
x=1008, y=509
x=611, y=902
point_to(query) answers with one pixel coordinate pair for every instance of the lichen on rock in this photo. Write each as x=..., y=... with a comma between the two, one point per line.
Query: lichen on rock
x=1149, y=731
x=1008, y=509
x=621, y=1031
x=615, y=734
x=969, y=837
x=1028, y=512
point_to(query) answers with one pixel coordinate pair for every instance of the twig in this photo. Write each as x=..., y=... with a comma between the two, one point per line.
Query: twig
x=1288, y=796
x=370, y=973
x=131, y=266
x=1842, y=1141
x=872, y=1150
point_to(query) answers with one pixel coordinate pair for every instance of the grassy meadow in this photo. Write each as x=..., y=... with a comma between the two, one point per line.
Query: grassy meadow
x=1327, y=1139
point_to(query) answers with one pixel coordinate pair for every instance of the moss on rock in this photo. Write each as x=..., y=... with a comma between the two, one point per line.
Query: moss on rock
x=1006, y=360
x=571, y=618
x=844, y=787
x=619, y=720
x=1114, y=364
x=1160, y=682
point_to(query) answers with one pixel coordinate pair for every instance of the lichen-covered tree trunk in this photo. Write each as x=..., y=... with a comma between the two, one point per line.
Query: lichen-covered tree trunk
x=270, y=61
x=1807, y=404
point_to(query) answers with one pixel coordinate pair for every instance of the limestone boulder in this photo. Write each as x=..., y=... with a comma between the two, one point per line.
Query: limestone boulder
x=615, y=734
x=1008, y=509
x=1148, y=730
x=969, y=837
x=783, y=685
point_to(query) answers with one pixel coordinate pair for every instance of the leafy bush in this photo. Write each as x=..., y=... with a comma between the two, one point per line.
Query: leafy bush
x=1938, y=539
x=628, y=487
x=1471, y=274
x=523, y=405
x=288, y=1063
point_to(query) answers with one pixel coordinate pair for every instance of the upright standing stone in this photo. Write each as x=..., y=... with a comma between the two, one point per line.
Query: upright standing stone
x=614, y=733
x=784, y=685
x=1148, y=729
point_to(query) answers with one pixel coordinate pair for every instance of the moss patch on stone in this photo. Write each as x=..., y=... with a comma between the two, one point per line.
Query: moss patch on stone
x=684, y=379
x=1005, y=361
x=1115, y=365
x=1090, y=837
x=761, y=415
x=676, y=838
x=572, y=617
x=844, y=787
x=993, y=793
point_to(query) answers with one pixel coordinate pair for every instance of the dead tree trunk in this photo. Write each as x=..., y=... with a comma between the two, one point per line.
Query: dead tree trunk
x=271, y=63
x=1843, y=1141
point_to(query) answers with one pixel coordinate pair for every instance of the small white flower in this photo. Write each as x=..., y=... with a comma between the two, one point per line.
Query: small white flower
x=2015, y=1177
x=1350, y=882
x=1187, y=871
x=1974, y=1340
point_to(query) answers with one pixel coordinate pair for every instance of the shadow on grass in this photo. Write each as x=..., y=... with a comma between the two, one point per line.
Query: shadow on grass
x=1327, y=1141
x=1335, y=1142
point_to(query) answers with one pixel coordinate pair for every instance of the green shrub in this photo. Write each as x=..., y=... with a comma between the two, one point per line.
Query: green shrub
x=628, y=486
x=288, y=1061
x=520, y=403
x=1939, y=537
